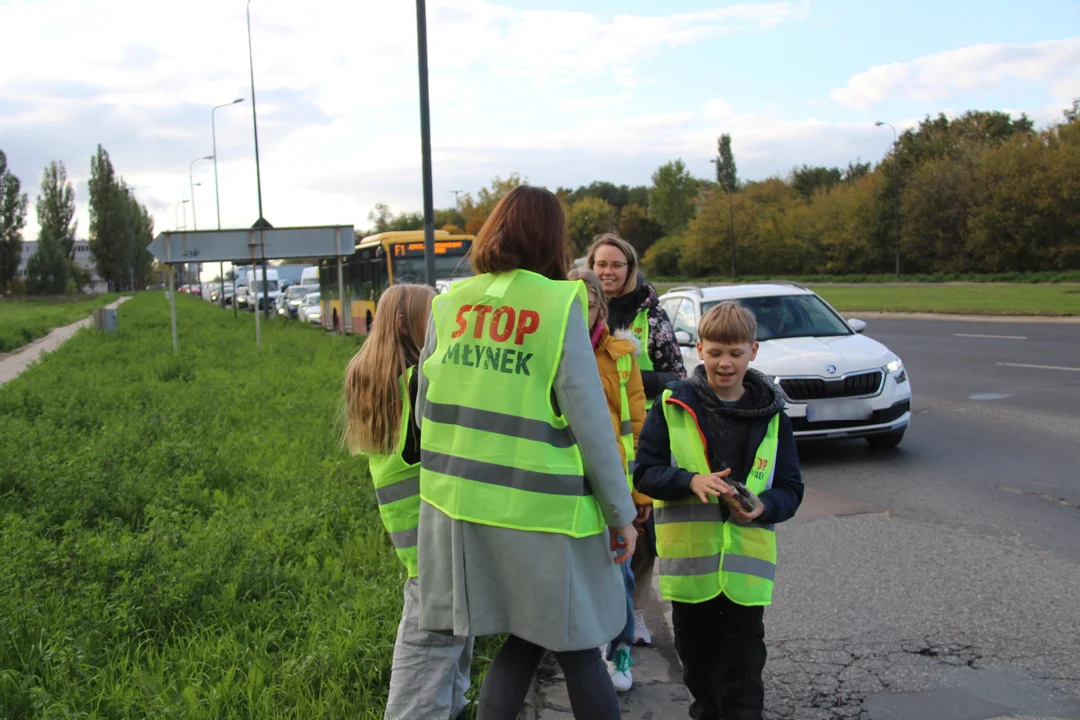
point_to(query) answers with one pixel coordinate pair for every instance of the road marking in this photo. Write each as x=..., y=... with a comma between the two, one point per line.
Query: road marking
x=991, y=337
x=1039, y=367
x=990, y=396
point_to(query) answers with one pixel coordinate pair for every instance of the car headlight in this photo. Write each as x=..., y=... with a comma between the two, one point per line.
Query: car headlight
x=896, y=369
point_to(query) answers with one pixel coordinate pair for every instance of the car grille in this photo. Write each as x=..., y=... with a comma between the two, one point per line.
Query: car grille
x=858, y=385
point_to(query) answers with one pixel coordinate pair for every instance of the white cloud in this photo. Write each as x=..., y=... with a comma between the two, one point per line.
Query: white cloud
x=588, y=104
x=1053, y=63
x=717, y=108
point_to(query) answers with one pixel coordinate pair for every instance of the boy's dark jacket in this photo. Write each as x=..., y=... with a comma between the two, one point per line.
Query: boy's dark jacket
x=654, y=475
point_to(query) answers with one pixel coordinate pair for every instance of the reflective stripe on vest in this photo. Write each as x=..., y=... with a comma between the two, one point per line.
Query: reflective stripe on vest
x=625, y=365
x=493, y=451
x=702, y=556
x=397, y=487
x=640, y=328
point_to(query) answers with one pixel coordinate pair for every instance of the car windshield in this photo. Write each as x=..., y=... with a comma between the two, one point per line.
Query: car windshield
x=791, y=316
x=297, y=292
x=312, y=299
x=271, y=285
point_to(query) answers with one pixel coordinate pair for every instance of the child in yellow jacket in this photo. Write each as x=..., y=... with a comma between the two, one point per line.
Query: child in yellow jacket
x=621, y=380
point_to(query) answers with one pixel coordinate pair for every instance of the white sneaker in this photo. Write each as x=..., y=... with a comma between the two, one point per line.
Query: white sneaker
x=619, y=669
x=641, y=633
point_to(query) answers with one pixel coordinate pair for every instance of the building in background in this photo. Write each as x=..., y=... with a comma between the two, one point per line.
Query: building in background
x=82, y=259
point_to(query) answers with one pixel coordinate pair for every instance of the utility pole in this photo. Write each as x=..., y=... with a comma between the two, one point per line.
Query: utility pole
x=425, y=144
x=896, y=189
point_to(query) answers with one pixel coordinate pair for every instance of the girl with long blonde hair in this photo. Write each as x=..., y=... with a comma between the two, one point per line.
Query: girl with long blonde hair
x=430, y=671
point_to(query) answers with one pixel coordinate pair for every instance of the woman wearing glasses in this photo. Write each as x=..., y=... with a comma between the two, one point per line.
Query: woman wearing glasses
x=634, y=305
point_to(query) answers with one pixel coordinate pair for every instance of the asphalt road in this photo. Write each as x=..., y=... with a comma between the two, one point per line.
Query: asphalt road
x=941, y=580
x=936, y=581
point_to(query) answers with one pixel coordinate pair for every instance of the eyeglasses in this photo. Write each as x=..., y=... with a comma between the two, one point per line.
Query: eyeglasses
x=607, y=265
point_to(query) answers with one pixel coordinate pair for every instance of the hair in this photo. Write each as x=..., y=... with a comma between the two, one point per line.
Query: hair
x=594, y=286
x=728, y=323
x=626, y=249
x=372, y=394
x=525, y=231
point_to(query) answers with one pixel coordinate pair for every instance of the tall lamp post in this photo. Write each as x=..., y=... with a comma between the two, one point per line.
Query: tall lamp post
x=896, y=189
x=425, y=144
x=261, y=222
x=217, y=195
x=177, y=209
x=191, y=181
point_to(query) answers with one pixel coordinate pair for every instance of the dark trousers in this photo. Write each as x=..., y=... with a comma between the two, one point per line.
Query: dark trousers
x=722, y=648
x=588, y=685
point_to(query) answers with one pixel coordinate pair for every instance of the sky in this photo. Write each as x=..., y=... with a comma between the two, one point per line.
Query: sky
x=563, y=92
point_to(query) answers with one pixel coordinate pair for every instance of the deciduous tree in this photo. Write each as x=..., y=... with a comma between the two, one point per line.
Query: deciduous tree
x=12, y=222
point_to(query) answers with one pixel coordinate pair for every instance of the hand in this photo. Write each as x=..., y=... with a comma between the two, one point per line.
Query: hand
x=626, y=544
x=711, y=485
x=742, y=518
x=643, y=514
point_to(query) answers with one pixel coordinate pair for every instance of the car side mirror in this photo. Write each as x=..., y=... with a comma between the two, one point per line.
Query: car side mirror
x=857, y=325
x=683, y=338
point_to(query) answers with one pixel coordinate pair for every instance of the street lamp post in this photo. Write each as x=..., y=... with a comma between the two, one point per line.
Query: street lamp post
x=217, y=195
x=177, y=212
x=425, y=144
x=177, y=208
x=191, y=181
x=896, y=189
x=261, y=222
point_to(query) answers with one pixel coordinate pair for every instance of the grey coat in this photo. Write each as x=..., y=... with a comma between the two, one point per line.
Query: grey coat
x=559, y=592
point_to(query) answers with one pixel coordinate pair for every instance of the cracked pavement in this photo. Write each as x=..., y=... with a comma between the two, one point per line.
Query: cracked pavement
x=939, y=581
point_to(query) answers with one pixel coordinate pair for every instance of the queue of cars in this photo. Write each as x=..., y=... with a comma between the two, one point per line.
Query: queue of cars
x=296, y=302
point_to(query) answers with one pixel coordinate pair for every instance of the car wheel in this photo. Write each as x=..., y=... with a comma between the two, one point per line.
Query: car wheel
x=885, y=442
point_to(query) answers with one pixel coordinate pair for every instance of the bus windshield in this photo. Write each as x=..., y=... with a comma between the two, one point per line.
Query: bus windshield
x=411, y=269
x=408, y=260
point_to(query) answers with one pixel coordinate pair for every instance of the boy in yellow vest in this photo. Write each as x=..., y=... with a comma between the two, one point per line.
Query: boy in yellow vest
x=718, y=457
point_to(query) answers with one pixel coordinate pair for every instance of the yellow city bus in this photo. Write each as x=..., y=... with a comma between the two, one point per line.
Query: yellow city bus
x=379, y=262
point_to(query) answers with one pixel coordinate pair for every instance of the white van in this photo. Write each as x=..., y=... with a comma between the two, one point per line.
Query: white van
x=310, y=275
x=255, y=287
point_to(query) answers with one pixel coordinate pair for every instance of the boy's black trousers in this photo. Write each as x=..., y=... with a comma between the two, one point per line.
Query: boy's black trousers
x=722, y=648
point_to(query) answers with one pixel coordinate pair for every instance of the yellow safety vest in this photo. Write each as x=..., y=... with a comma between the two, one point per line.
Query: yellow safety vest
x=700, y=554
x=640, y=328
x=397, y=487
x=625, y=365
x=493, y=449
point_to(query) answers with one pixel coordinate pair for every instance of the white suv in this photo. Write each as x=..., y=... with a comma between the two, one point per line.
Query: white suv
x=837, y=382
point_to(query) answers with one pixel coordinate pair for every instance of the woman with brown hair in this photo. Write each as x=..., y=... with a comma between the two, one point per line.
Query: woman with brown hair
x=523, y=495
x=634, y=305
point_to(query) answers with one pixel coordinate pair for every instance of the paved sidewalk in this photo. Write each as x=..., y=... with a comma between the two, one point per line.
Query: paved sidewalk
x=846, y=640
x=14, y=364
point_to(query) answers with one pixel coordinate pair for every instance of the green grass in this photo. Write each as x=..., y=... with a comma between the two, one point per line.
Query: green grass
x=1066, y=276
x=977, y=299
x=1058, y=299
x=181, y=535
x=23, y=321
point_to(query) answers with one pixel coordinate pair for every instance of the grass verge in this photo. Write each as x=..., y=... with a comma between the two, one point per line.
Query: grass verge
x=181, y=534
x=1001, y=299
x=23, y=321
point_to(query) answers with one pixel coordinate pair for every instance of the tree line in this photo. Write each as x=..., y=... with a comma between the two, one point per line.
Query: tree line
x=981, y=193
x=120, y=230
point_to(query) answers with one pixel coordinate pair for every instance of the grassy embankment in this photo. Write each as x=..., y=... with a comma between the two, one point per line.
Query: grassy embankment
x=23, y=321
x=181, y=535
x=1048, y=299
